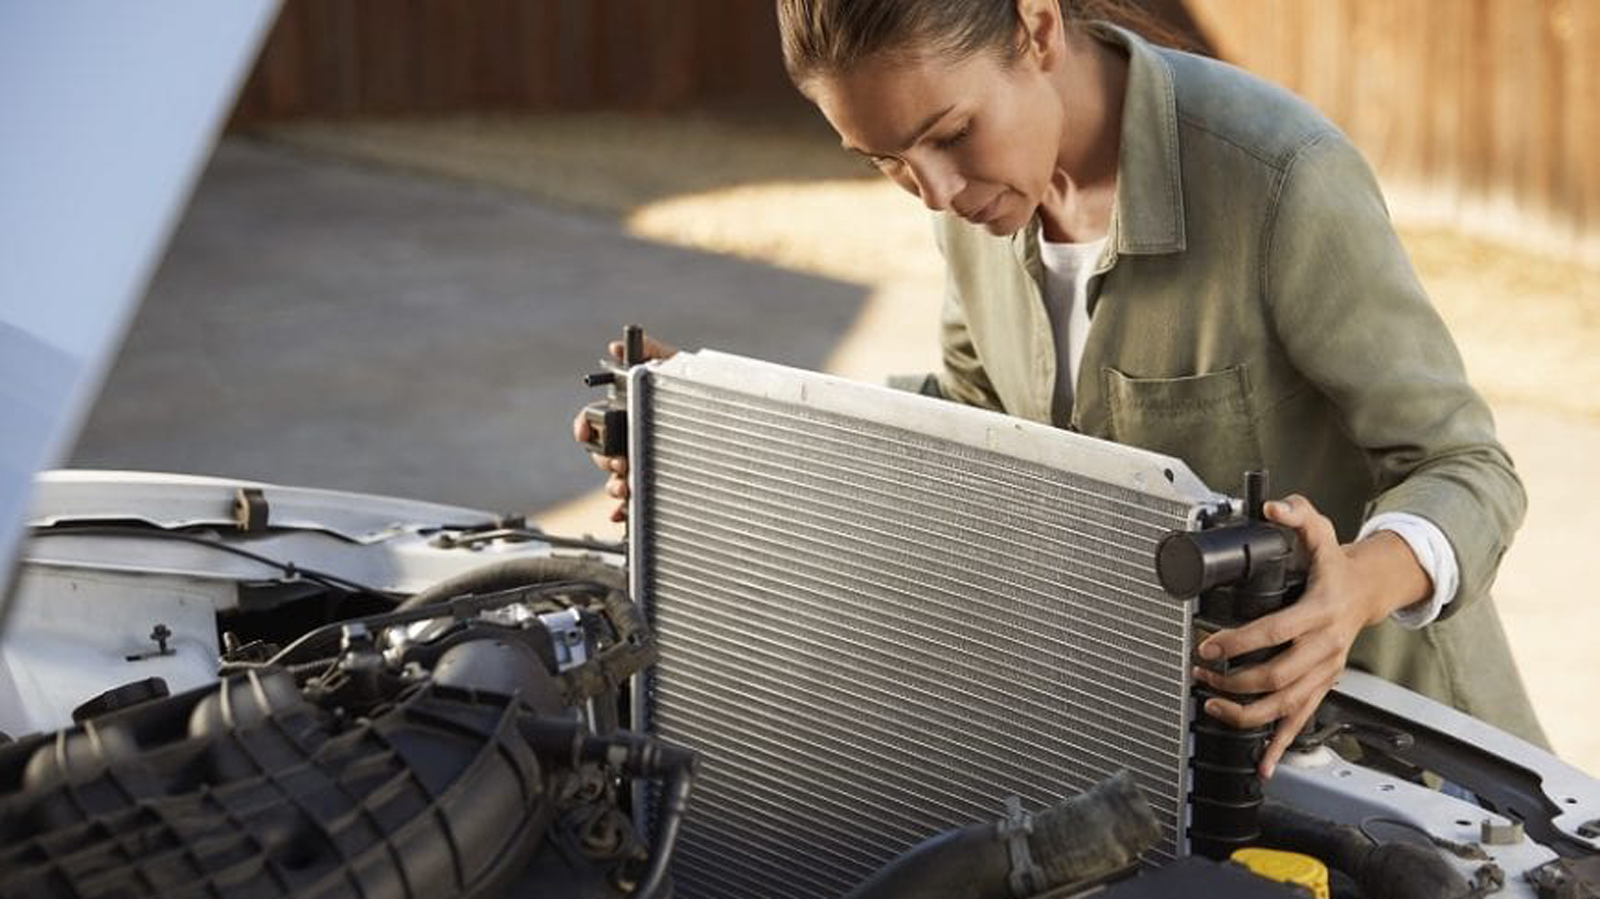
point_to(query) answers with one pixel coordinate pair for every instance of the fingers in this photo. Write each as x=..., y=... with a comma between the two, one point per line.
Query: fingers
x=610, y=464
x=1290, y=727
x=1297, y=512
x=1281, y=703
x=617, y=488
x=1272, y=675
x=1290, y=707
x=653, y=349
x=1282, y=626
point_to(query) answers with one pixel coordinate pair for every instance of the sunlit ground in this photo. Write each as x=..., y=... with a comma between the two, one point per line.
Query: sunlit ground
x=1528, y=324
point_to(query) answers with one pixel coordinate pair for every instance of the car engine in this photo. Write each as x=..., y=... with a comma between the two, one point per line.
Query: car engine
x=460, y=745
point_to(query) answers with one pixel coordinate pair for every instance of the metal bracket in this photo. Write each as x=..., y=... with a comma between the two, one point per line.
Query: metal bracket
x=250, y=510
x=568, y=637
x=1015, y=828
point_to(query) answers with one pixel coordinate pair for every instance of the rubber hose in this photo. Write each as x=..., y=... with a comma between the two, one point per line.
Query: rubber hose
x=1397, y=870
x=1335, y=845
x=1081, y=840
x=968, y=863
x=1093, y=835
x=1401, y=870
x=675, y=798
x=513, y=573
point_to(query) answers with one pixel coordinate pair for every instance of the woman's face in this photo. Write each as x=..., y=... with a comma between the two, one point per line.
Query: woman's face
x=979, y=137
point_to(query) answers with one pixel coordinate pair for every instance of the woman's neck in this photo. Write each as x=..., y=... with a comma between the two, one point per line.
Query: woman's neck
x=1083, y=188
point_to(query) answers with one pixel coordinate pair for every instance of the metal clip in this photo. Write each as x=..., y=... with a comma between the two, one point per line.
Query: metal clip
x=568, y=637
x=1014, y=829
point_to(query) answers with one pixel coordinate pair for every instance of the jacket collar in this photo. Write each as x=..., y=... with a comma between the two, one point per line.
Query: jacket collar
x=1147, y=215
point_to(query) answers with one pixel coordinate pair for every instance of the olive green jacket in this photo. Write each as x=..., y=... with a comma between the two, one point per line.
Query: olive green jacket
x=1253, y=307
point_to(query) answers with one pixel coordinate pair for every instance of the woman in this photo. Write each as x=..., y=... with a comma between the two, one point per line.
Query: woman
x=1158, y=249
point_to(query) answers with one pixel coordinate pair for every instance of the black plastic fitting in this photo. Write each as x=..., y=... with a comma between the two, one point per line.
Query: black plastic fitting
x=1241, y=569
x=608, y=418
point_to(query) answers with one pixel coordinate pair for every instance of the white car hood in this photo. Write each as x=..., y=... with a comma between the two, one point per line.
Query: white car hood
x=110, y=112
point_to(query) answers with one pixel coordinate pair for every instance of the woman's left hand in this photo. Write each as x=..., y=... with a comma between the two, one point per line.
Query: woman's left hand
x=1349, y=587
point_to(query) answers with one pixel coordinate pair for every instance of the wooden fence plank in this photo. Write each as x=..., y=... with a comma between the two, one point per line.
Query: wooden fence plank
x=1487, y=107
x=1581, y=139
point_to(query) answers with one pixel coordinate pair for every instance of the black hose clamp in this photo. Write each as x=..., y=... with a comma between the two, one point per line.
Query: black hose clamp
x=1014, y=829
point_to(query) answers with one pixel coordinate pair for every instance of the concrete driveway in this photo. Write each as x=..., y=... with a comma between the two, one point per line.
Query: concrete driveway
x=326, y=324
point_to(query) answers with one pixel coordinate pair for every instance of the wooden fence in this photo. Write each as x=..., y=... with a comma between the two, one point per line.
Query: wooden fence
x=1478, y=112
x=335, y=58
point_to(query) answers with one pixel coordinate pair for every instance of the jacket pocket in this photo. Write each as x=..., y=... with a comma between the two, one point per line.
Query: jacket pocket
x=1205, y=420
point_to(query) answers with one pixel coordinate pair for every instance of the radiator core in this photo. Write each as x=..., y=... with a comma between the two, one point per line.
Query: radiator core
x=881, y=614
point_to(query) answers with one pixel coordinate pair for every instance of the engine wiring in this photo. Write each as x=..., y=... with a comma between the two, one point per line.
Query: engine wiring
x=472, y=536
x=516, y=529
x=462, y=608
x=290, y=570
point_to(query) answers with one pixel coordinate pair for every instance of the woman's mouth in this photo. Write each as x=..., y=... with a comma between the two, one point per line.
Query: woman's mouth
x=988, y=213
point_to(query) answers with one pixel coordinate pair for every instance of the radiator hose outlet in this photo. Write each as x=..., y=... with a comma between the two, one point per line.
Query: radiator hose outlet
x=1241, y=569
x=1082, y=841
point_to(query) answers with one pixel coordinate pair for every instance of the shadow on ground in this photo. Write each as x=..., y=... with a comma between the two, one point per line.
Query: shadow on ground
x=327, y=325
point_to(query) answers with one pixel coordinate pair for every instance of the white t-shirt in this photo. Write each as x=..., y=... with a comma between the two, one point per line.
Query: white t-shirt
x=1069, y=267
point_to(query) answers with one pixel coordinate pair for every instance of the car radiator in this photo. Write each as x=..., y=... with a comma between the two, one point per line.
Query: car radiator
x=881, y=614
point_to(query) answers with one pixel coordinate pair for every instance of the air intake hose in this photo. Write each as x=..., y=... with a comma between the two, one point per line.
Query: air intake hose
x=1080, y=841
x=1395, y=870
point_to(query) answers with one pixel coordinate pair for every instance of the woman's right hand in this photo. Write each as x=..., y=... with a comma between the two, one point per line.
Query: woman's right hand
x=616, y=467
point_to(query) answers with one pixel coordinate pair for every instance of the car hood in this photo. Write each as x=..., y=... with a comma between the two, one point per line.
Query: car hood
x=110, y=114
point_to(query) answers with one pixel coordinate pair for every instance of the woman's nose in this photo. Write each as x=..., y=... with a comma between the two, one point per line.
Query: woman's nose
x=938, y=185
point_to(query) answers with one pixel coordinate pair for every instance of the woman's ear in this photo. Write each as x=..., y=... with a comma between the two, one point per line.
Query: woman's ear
x=1041, y=37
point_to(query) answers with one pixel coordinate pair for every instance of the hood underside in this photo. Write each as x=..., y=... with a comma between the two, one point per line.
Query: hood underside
x=112, y=112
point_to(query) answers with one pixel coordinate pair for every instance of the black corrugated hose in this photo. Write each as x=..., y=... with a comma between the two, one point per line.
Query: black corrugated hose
x=1078, y=842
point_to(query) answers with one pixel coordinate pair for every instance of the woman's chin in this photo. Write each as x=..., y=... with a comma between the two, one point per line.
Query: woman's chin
x=1005, y=225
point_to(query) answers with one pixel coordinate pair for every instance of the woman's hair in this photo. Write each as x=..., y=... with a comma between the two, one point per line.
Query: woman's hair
x=824, y=36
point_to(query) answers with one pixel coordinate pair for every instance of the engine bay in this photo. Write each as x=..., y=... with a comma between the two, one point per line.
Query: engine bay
x=446, y=704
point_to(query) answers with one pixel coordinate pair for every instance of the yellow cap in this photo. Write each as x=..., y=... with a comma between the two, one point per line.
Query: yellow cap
x=1286, y=867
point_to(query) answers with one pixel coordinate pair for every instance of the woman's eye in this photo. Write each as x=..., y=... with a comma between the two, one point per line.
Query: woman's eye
x=945, y=143
x=881, y=163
